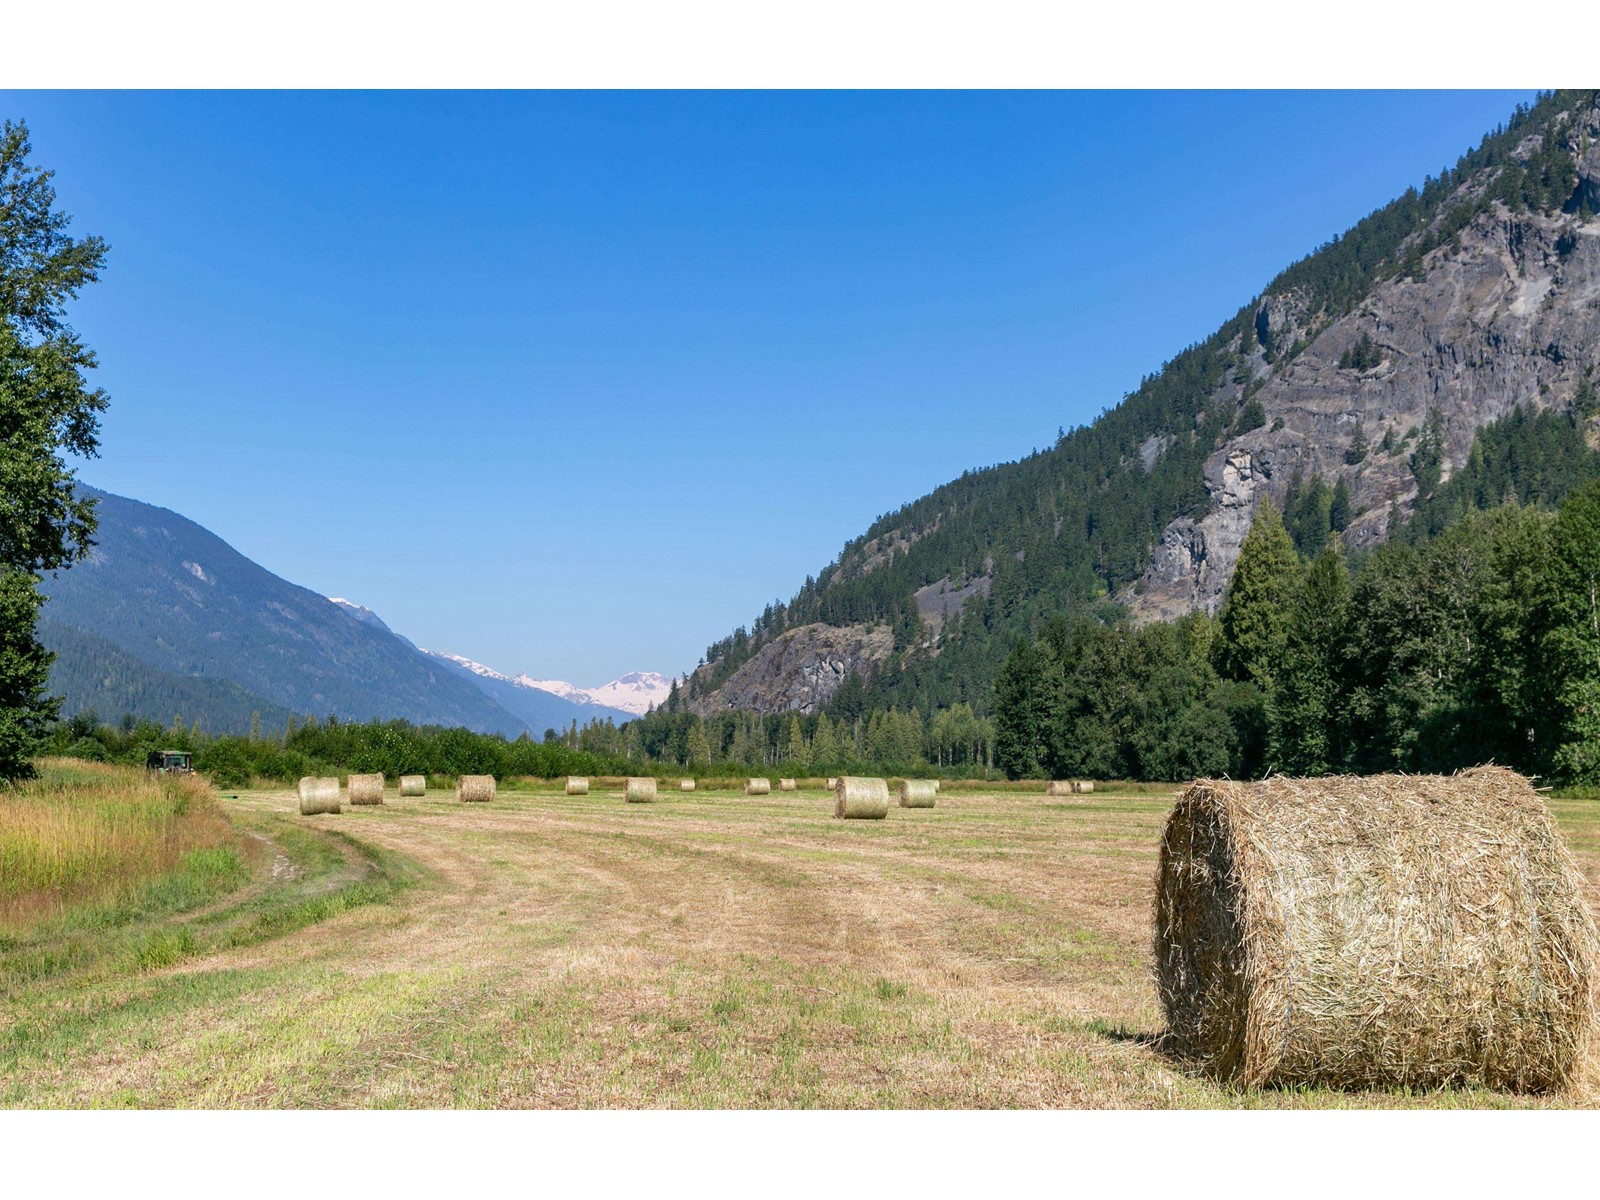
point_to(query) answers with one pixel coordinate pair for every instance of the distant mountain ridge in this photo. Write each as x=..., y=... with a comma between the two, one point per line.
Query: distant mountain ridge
x=631, y=695
x=178, y=603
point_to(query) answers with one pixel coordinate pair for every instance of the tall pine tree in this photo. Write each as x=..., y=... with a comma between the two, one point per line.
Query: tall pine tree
x=47, y=411
x=1255, y=616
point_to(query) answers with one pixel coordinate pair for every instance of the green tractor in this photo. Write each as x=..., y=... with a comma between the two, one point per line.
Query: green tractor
x=169, y=762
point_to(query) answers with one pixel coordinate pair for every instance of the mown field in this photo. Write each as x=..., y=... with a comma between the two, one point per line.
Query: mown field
x=709, y=950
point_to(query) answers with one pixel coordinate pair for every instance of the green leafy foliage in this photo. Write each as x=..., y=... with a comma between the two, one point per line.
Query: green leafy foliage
x=47, y=411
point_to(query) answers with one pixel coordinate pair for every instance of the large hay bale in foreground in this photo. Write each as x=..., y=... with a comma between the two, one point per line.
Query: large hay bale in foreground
x=640, y=790
x=758, y=787
x=365, y=789
x=686, y=785
x=319, y=795
x=1392, y=931
x=413, y=785
x=918, y=793
x=857, y=798
x=787, y=785
x=1083, y=787
x=577, y=785
x=1059, y=787
x=475, y=789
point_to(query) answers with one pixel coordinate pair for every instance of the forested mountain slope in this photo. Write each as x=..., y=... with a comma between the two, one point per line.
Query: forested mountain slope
x=172, y=595
x=1351, y=391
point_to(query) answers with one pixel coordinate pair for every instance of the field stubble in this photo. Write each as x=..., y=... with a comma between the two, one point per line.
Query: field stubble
x=711, y=950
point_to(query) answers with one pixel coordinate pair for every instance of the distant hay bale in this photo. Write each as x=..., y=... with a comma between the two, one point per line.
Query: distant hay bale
x=1059, y=787
x=1083, y=786
x=577, y=785
x=857, y=798
x=757, y=787
x=786, y=785
x=413, y=785
x=1393, y=931
x=640, y=790
x=475, y=789
x=833, y=782
x=365, y=789
x=686, y=785
x=319, y=795
x=918, y=793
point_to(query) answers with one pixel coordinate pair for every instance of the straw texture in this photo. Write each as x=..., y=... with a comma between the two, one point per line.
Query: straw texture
x=860, y=799
x=475, y=789
x=757, y=787
x=918, y=793
x=786, y=785
x=318, y=795
x=1387, y=931
x=365, y=789
x=640, y=790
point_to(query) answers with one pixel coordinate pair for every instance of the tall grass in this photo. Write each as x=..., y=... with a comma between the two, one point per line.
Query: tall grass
x=90, y=829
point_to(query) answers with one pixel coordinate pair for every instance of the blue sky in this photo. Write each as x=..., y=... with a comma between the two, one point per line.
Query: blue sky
x=575, y=383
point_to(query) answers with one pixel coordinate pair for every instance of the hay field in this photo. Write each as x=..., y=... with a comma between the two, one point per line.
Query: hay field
x=710, y=950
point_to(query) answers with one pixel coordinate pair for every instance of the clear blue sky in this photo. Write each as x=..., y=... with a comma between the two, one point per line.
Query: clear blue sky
x=575, y=383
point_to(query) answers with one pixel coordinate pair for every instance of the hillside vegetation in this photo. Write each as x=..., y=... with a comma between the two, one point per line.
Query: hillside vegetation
x=1070, y=531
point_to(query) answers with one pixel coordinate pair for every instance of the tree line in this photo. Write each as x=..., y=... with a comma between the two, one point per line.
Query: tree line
x=1428, y=654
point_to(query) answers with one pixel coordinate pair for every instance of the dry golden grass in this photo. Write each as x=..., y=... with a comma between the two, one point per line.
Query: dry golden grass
x=88, y=829
x=711, y=950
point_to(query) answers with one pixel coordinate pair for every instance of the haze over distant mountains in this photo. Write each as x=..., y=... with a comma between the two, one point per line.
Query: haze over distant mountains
x=165, y=619
x=633, y=694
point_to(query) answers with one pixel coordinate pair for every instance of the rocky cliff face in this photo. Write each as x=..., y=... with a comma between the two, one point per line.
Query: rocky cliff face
x=1468, y=298
x=801, y=670
x=1508, y=315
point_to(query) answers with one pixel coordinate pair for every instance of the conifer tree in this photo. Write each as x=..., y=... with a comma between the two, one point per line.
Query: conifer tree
x=1302, y=717
x=1254, y=623
x=1570, y=612
x=47, y=411
x=696, y=748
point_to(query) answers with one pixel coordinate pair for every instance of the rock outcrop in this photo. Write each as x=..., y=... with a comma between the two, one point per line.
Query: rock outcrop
x=800, y=670
x=1507, y=315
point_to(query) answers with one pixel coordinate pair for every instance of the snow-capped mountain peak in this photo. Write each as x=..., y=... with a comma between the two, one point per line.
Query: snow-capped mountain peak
x=636, y=692
x=477, y=668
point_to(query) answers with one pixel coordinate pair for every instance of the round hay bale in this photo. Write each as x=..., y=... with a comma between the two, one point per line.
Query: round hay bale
x=686, y=785
x=475, y=789
x=758, y=787
x=918, y=793
x=857, y=798
x=1059, y=787
x=577, y=785
x=1392, y=931
x=1083, y=787
x=413, y=785
x=365, y=789
x=786, y=785
x=640, y=790
x=833, y=782
x=319, y=795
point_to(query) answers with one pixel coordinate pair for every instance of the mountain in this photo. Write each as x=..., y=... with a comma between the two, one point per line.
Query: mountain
x=91, y=673
x=176, y=598
x=533, y=704
x=635, y=693
x=1354, y=386
x=365, y=615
